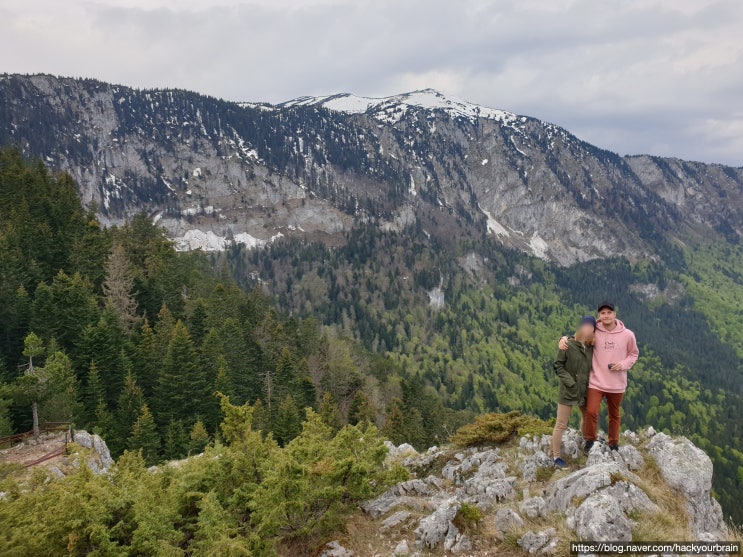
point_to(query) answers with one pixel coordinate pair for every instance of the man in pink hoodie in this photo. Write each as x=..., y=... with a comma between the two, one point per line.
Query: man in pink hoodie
x=614, y=353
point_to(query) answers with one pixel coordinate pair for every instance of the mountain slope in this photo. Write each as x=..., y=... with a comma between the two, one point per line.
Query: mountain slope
x=449, y=329
x=315, y=166
x=382, y=208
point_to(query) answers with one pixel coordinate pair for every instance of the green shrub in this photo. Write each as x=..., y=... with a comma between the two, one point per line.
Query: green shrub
x=544, y=473
x=468, y=517
x=499, y=428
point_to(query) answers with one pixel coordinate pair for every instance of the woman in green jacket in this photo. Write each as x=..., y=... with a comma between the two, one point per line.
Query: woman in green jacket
x=572, y=366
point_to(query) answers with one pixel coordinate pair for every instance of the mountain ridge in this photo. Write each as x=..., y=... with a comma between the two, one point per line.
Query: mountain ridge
x=213, y=171
x=429, y=99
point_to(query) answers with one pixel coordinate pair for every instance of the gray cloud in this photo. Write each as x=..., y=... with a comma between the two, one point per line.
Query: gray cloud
x=656, y=76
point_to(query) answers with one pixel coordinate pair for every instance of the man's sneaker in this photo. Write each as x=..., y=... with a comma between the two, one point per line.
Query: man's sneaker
x=614, y=447
x=560, y=463
x=588, y=446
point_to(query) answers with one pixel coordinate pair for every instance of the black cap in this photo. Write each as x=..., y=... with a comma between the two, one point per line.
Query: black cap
x=606, y=304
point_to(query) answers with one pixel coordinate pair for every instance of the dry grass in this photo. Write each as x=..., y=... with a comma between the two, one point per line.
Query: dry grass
x=363, y=536
x=671, y=523
x=509, y=547
x=735, y=533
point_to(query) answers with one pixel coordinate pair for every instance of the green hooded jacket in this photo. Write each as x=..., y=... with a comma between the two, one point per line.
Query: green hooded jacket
x=573, y=366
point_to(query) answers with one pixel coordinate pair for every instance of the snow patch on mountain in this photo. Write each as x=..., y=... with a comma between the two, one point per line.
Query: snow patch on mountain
x=391, y=109
x=209, y=241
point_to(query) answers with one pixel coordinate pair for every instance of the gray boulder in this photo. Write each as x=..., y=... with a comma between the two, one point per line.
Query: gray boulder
x=398, y=453
x=687, y=468
x=424, y=460
x=571, y=443
x=434, y=529
x=402, y=549
x=54, y=472
x=103, y=460
x=335, y=549
x=533, y=507
x=394, y=520
x=457, y=543
x=83, y=438
x=580, y=484
x=631, y=457
x=507, y=520
x=530, y=464
x=631, y=436
x=408, y=493
x=631, y=498
x=600, y=518
x=410, y=487
x=533, y=443
x=542, y=543
x=100, y=447
x=485, y=492
x=486, y=463
x=601, y=453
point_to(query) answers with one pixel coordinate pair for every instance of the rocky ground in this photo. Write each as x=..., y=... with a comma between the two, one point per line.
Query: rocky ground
x=508, y=499
x=32, y=449
x=85, y=446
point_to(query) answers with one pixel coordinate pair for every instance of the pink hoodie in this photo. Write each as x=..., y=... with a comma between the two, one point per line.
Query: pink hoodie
x=612, y=347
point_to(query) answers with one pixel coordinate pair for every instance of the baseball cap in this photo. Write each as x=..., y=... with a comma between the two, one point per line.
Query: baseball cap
x=606, y=304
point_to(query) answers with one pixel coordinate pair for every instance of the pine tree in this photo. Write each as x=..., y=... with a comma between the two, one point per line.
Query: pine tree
x=261, y=420
x=61, y=403
x=144, y=436
x=64, y=309
x=361, y=410
x=163, y=329
x=404, y=425
x=244, y=361
x=222, y=384
x=117, y=287
x=149, y=356
x=103, y=343
x=176, y=441
x=285, y=373
x=32, y=348
x=288, y=422
x=182, y=386
x=303, y=387
x=341, y=377
x=6, y=427
x=128, y=410
x=330, y=413
x=198, y=439
x=94, y=395
x=103, y=422
x=89, y=250
x=197, y=323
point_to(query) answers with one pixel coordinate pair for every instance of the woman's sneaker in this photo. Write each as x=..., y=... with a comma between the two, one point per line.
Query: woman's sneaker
x=560, y=463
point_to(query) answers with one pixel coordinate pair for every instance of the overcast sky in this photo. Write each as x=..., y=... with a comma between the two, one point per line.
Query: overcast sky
x=636, y=76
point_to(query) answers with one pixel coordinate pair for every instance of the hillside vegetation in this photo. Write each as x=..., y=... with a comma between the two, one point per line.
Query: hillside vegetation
x=130, y=339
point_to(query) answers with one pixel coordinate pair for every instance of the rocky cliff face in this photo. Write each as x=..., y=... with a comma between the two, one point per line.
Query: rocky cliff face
x=214, y=172
x=654, y=488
